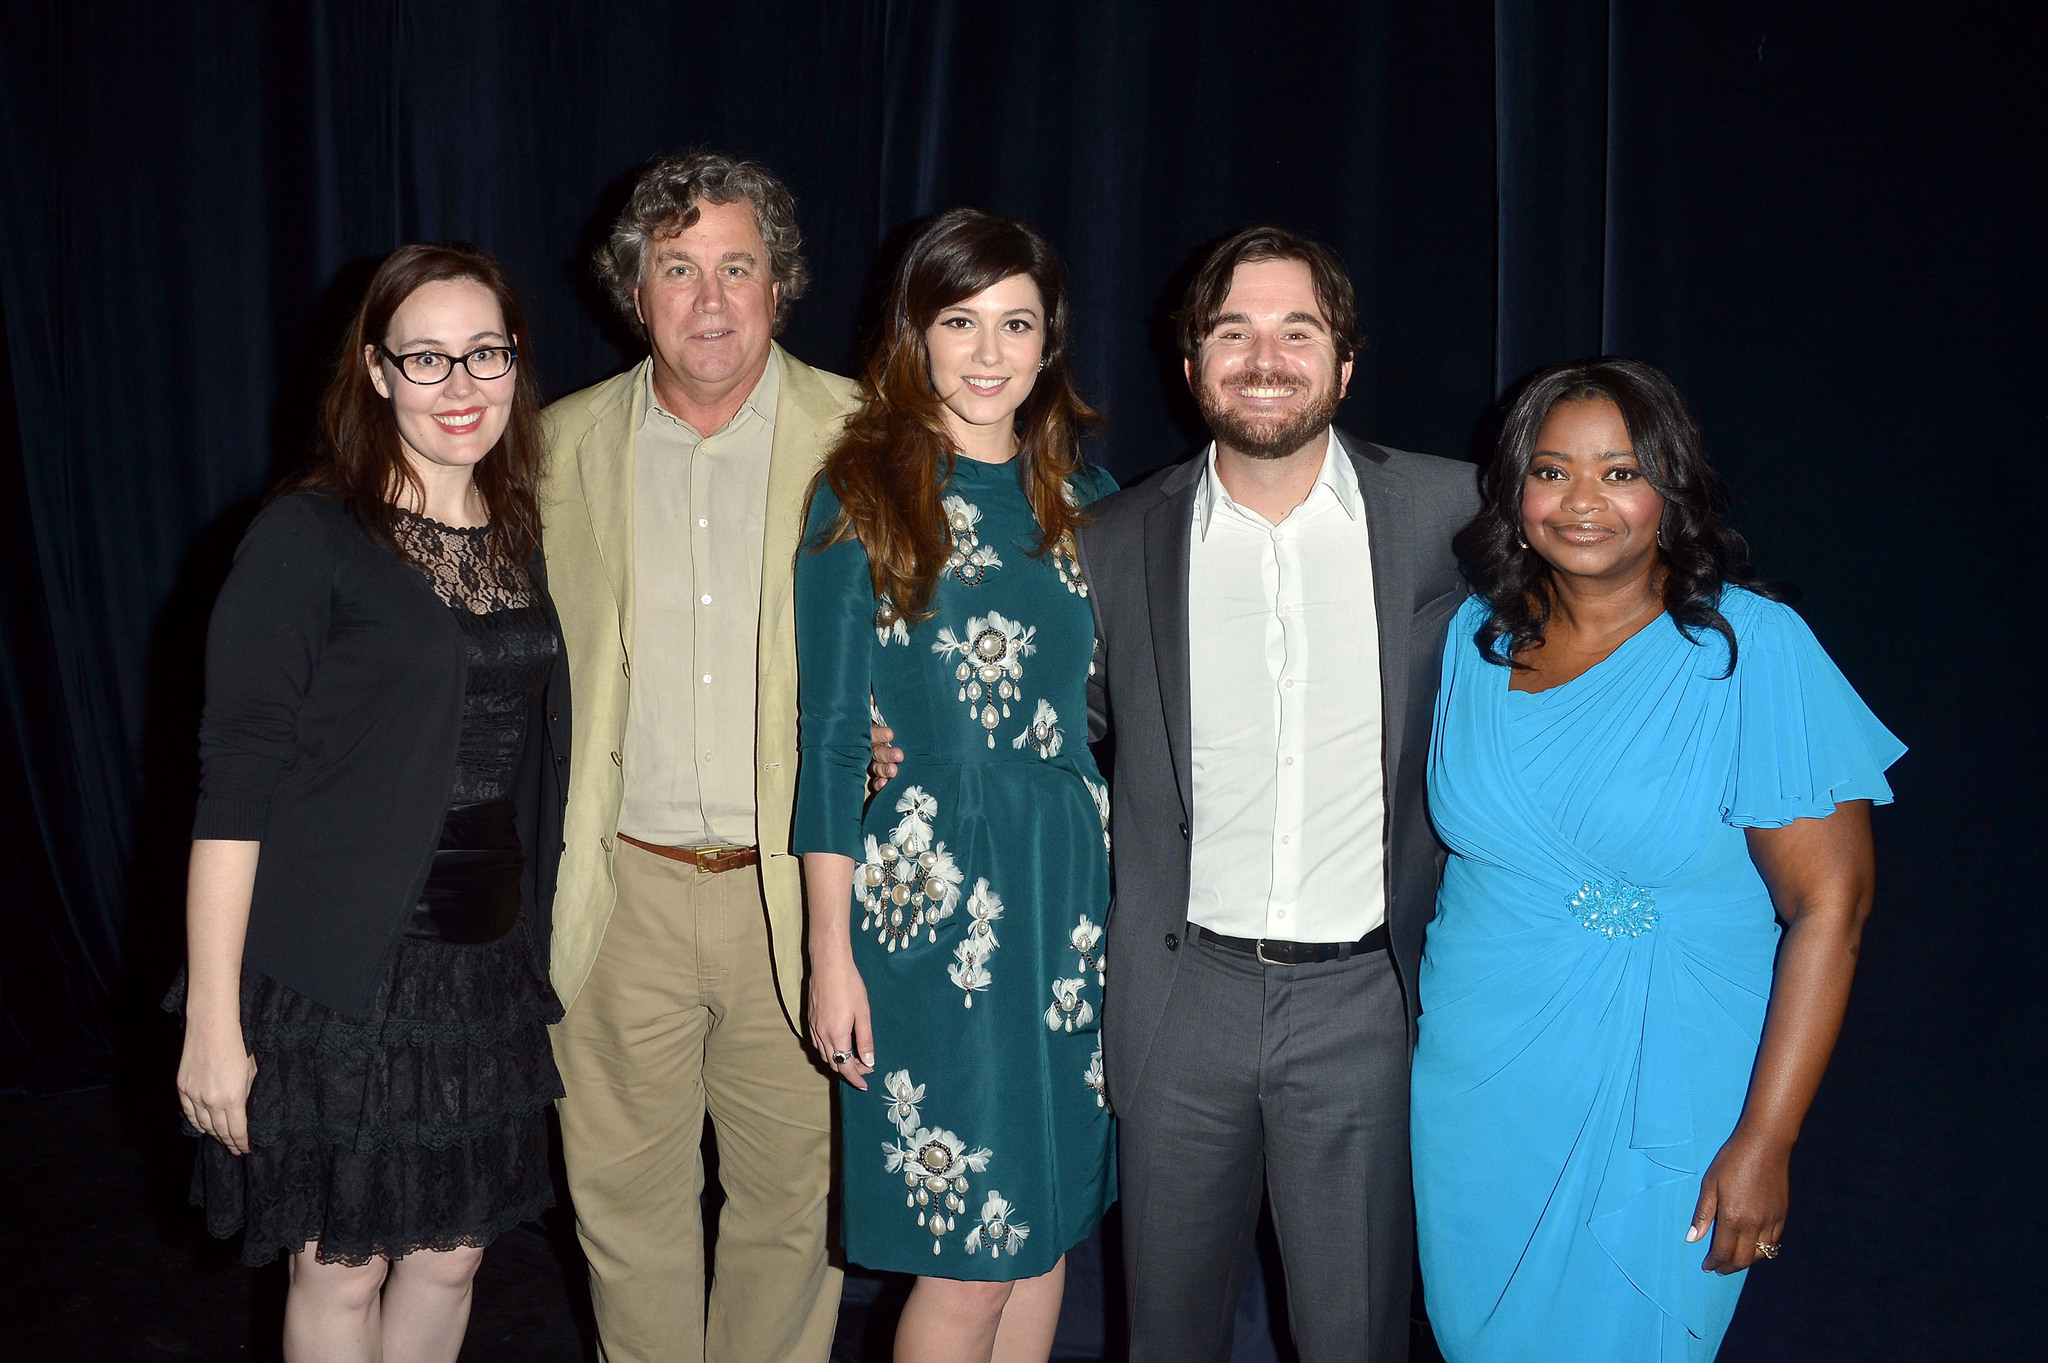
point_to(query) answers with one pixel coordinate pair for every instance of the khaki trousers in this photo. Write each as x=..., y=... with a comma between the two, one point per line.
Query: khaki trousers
x=680, y=1018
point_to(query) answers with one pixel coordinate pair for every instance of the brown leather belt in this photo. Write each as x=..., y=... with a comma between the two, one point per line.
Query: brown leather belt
x=709, y=860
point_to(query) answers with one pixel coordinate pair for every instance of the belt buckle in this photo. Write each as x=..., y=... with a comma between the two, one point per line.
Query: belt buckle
x=1259, y=950
x=711, y=860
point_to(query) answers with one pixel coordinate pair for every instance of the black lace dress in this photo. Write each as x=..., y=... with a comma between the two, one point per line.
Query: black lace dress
x=422, y=1124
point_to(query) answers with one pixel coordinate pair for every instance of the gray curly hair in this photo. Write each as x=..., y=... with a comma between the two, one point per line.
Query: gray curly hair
x=665, y=202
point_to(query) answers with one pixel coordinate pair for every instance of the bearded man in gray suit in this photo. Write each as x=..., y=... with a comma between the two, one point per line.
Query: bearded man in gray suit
x=1269, y=621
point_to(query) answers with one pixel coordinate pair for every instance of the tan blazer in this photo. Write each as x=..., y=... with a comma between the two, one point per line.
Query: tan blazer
x=587, y=508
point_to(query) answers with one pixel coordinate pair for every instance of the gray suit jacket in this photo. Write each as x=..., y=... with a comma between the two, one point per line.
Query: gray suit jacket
x=1134, y=552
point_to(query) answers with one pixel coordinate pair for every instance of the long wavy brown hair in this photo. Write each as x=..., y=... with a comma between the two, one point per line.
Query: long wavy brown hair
x=358, y=456
x=889, y=466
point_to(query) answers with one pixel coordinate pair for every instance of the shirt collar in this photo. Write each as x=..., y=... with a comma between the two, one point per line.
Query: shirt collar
x=1337, y=474
x=760, y=402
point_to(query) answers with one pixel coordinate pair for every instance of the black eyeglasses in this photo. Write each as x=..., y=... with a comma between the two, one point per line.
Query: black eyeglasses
x=430, y=367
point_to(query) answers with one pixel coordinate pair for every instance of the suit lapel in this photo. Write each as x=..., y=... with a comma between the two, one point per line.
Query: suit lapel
x=608, y=489
x=792, y=463
x=1393, y=589
x=1167, y=528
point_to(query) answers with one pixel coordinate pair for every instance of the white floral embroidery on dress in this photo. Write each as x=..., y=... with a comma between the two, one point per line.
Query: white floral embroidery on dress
x=904, y=1097
x=1043, y=733
x=909, y=884
x=969, y=970
x=934, y=1163
x=991, y=664
x=1101, y=797
x=997, y=1232
x=1092, y=1077
x=1086, y=940
x=1066, y=560
x=1069, y=1009
x=970, y=560
x=888, y=624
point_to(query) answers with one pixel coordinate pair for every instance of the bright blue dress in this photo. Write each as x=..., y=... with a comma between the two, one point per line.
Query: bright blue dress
x=1594, y=984
x=982, y=1148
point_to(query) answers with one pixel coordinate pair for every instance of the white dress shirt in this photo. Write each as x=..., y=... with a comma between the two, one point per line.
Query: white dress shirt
x=1284, y=670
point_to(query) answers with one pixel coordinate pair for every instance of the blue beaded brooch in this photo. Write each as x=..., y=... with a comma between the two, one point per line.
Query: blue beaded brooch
x=1614, y=908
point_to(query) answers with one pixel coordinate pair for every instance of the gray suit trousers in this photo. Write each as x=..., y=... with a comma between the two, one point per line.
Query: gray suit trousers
x=1288, y=1080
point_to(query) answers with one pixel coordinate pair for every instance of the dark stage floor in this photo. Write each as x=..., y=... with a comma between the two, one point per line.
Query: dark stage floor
x=101, y=1259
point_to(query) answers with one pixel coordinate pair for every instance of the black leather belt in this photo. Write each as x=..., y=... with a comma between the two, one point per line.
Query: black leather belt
x=1271, y=951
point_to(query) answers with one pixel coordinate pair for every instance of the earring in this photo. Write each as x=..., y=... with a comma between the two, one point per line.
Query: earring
x=1521, y=539
x=1041, y=366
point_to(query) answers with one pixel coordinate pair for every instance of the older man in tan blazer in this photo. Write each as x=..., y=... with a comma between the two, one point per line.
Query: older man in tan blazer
x=673, y=505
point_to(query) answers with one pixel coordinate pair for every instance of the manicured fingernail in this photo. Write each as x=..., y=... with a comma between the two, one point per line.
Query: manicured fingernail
x=868, y=1058
x=1693, y=1235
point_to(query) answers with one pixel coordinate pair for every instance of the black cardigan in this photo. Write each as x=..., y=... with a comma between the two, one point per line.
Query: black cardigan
x=334, y=688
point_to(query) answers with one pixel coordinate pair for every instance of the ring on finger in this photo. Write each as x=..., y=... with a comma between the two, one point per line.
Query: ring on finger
x=842, y=1057
x=1767, y=1250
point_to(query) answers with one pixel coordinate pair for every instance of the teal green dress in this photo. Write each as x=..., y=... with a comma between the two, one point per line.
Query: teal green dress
x=1595, y=981
x=982, y=1146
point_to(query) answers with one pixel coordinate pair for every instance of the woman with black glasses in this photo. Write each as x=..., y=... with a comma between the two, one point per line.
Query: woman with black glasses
x=384, y=754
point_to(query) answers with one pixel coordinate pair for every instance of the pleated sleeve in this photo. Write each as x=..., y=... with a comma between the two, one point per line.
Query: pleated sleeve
x=269, y=627
x=1805, y=740
x=835, y=635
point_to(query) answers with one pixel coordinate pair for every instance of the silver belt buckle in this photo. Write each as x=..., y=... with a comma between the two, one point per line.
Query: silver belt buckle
x=1260, y=952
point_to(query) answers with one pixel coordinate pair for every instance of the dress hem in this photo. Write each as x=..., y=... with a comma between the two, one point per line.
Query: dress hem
x=952, y=1258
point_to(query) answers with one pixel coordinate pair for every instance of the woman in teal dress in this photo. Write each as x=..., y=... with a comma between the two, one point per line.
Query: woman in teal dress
x=956, y=936
x=1639, y=768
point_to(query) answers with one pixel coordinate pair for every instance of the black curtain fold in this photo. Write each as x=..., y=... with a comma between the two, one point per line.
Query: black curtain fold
x=1552, y=162
x=1818, y=217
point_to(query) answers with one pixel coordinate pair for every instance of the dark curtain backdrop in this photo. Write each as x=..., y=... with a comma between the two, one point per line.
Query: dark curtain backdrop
x=1820, y=217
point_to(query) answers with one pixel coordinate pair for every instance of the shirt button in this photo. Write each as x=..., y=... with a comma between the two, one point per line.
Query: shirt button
x=701, y=522
x=704, y=600
x=707, y=757
x=1286, y=838
x=1290, y=761
x=707, y=679
x=1280, y=913
x=1288, y=684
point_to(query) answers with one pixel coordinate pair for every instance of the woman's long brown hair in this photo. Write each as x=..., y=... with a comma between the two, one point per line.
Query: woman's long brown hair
x=358, y=456
x=889, y=466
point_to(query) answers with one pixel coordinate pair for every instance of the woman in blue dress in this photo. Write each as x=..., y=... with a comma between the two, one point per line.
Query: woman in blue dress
x=956, y=934
x=1640, y=769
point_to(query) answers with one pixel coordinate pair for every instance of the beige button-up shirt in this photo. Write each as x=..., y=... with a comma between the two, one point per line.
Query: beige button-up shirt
x=1283, y=652
x=699, y=512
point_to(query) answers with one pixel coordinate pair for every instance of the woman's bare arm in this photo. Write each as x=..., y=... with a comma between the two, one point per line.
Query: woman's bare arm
x=216, y=1069
x=838, y=999
x=1822, y=874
